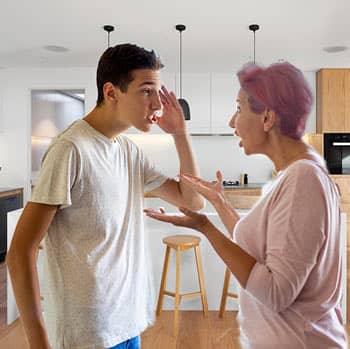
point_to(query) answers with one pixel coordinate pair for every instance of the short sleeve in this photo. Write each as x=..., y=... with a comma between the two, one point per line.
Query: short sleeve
x=152, y=177
x=57, y=175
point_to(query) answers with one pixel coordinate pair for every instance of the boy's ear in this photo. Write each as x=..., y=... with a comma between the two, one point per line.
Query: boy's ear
x=270, y=119
x=110, y=92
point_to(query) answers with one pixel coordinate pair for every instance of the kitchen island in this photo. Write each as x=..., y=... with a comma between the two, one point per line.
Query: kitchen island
x=10, y=199
x=213, y=266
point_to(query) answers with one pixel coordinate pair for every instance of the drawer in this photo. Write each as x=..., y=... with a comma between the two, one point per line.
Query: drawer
x=12, y=202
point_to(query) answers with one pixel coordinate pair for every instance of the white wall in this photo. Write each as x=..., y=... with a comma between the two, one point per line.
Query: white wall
x=15, y=89
x=15, y=92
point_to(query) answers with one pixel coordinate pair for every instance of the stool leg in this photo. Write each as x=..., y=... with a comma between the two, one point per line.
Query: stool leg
x=201, y=280
x=177, y=292
x=163, y=282
x=224, y=292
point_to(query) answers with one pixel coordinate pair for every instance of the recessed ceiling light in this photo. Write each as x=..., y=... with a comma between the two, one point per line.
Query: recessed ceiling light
x=335, y=49
x=54, y=48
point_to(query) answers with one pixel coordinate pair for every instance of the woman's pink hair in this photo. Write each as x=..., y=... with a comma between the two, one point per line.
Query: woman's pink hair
x=280, y=87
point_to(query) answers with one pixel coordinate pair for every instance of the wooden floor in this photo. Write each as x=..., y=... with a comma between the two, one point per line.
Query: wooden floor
x=195, y=331
x=3, y=294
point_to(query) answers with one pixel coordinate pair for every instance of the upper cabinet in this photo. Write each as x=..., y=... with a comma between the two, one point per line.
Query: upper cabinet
x=196, y=91
x=211, y=97
x=224, y=90
x=333, y=100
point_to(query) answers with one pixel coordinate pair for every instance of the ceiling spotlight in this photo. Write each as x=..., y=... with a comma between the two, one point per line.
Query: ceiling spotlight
x=335, y=49
x=57, y=49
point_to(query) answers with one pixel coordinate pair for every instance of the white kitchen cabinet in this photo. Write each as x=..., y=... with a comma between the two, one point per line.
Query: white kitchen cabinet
x=224, y=90
x=213, y=267
x=196, y=91
x=12, y=311
x=1, y=115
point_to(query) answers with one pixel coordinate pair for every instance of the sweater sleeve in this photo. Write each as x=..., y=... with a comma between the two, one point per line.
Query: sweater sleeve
x=294, y=237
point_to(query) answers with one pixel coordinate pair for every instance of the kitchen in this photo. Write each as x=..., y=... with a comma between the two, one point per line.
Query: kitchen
x=214, y=101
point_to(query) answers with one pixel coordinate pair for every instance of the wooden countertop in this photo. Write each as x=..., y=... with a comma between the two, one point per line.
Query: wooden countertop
x=245, y=186
x=240, y=190
x=10, y=191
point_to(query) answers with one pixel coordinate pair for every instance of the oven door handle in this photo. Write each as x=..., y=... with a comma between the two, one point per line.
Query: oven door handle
x=340, y=144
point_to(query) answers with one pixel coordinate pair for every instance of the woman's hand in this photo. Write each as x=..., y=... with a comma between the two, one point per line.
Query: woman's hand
x=190, y=219
x=213, y=192
x=172, y=121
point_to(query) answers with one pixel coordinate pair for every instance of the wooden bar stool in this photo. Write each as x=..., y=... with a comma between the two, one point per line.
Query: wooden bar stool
x=226, y=293
x=181, y=243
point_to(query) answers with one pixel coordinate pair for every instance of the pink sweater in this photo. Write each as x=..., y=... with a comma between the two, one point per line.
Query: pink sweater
x=292, y=296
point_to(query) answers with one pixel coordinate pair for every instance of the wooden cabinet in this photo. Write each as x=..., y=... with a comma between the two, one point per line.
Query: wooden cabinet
x=343, y=183
x=242, y=198
x=10, y=200
x=333, y=100
x=316, y=141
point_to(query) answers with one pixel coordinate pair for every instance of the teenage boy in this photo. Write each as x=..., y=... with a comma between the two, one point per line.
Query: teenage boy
x=88, y=204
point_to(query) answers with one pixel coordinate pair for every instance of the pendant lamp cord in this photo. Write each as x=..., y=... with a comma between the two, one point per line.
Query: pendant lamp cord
x=180, y=64
x=108, y=28
x=254, y=46
x=254, y=28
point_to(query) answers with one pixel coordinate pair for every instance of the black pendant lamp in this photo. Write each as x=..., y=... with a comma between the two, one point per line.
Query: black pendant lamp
x=108, y=28
x=184, y=105
x=254, y=28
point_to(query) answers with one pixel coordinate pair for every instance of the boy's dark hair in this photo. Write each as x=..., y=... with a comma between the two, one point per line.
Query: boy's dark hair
x=117, y=64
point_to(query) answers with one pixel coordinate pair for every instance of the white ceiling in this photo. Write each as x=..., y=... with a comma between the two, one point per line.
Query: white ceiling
x=217, y=36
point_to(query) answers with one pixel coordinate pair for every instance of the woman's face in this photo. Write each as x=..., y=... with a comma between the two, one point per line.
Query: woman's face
x=248, y=125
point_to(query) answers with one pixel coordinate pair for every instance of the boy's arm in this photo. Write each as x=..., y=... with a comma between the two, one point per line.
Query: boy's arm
x=173, y=122
x=21, y=261
x=180, y=193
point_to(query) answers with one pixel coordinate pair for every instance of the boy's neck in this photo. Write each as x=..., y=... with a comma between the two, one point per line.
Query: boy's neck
x=105, y=122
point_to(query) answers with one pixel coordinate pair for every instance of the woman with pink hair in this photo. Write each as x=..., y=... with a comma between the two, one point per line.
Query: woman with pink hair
x=285, y=253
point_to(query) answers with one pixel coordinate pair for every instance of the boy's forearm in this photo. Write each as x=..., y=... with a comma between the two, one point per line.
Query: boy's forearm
x=25, y=283
x=191, y=198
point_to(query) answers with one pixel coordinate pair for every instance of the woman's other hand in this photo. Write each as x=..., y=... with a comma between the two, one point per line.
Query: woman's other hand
x=189, y=219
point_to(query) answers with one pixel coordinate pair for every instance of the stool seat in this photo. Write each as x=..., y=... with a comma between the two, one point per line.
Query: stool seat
x=182, y=242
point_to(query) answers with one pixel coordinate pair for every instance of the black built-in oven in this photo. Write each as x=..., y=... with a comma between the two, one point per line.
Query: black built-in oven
x=337, y=152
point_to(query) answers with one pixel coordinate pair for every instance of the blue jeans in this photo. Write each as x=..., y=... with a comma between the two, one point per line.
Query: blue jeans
x=132, y=343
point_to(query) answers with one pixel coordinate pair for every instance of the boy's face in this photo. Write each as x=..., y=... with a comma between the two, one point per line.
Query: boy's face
x=137, y=106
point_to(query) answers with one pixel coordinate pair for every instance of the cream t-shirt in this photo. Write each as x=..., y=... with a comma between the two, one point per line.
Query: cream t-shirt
x=98, y=289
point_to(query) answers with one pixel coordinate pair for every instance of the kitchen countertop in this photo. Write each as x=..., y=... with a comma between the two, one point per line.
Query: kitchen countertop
x=228, y=188
x=245, y=186
x=5, y=189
